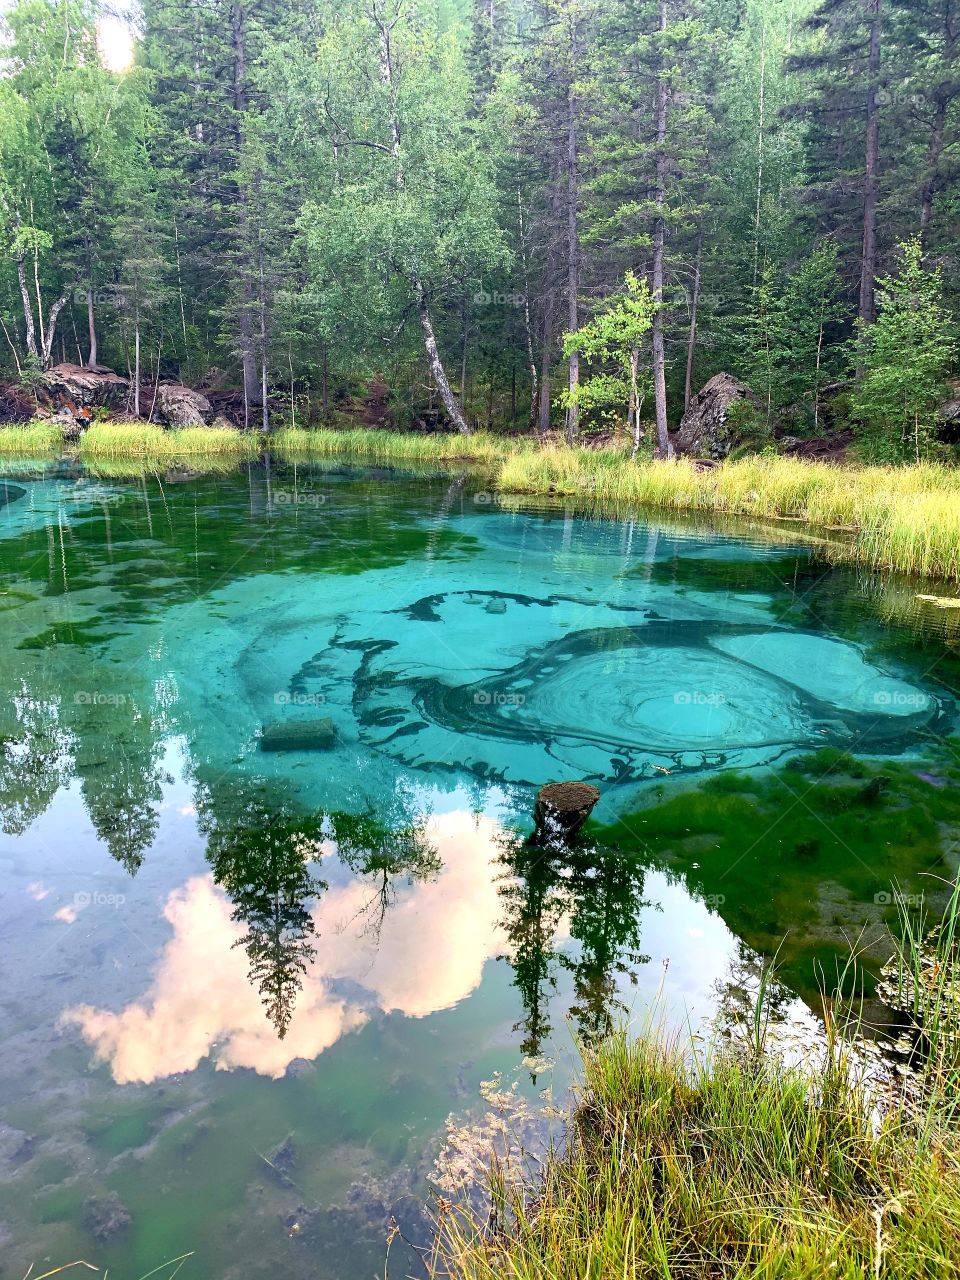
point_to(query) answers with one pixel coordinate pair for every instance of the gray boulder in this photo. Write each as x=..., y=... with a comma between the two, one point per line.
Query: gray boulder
x=73, y=388
x=180, y=406
x=705, y=430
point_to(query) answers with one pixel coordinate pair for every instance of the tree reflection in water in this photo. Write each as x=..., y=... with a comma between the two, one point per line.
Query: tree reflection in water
x=264, y=856
x=597, y=892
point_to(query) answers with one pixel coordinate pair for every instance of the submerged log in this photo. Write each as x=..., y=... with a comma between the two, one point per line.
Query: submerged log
x=298, y=735
x=561, y=810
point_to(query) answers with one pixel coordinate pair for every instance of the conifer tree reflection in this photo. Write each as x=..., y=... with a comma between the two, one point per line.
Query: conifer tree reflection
x=34, y=751
x=606, y=893
x=117, y=756
x=263, y=855
x=260, y=854
x=535, y=899
x=385, y=849
x=600, y=892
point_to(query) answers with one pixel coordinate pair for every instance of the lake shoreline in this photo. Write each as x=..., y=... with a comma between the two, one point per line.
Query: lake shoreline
x=901, y=518
x=743, y=1156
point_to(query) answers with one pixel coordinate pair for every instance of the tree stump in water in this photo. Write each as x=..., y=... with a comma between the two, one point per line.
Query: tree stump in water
x=561, y=810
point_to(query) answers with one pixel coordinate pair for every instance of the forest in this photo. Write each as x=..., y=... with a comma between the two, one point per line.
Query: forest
x=509, y=215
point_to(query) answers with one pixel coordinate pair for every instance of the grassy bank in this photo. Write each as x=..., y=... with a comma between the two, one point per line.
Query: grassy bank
x=736, y=1164
x=396, y=446
x=31, y=440
x=739, y=1168
x=904, y=518
x=121, y=440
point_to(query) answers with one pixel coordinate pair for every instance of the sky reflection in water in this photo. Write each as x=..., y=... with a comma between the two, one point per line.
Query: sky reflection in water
x=175, y=897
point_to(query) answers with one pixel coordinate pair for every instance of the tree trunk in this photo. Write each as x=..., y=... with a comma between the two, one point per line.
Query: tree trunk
x=248, y=357
x=868, y=265
x=634, y=400
x=664, y=447
x=816, y=385
x=265, y=417
x=434, y=362
x=454, y=412
x=27, y=311
x=692, y=337
x=12, y=345
x=546, y=346
x=325, y=387
x=760, y=128
x=136, y=370
x=91, y=331
x=52, y=318
x=933, y=161
x=527, y=329
x=465, y=342
x=573, y=244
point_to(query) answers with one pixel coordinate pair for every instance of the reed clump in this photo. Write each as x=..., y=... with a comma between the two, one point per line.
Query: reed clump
x=138, y=440
x=38, y=439
x=733, y=1162
x=399, y=446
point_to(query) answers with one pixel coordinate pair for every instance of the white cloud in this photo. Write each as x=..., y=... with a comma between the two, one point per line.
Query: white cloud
x=432, y=947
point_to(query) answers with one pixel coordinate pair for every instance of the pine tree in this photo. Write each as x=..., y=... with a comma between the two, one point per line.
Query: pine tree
x=904, y=360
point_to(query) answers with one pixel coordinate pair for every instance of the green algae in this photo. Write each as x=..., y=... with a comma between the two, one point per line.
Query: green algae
x=799, y=860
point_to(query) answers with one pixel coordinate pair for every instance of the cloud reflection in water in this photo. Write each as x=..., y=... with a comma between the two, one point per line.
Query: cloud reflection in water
x=428, y=954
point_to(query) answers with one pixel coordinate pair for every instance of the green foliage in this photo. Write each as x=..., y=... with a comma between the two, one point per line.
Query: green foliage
x=783, y=336
x=613, y=338
x=904, y=361
x=255, y=202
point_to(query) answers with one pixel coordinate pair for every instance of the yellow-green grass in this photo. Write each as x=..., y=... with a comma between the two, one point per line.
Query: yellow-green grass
x=733, y=1162
x=38, y=439
x=738, y=1166
x=122, y=440
x=905, y=518
x=399, y=446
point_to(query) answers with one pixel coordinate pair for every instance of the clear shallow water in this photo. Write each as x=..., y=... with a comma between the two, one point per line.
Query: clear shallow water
x=210, y=950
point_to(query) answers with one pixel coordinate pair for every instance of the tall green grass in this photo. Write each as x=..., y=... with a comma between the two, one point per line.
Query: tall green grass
x=739, y=1166
x=923, y=982
x=140, y=440
x=37, y=439
x=399, y=446
x=903, y=518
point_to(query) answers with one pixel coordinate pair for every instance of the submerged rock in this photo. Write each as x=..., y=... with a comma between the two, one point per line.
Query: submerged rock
x=16, y=1147
x=10, y=493
x=299, y=1069
x=705, y=430
x=299, y=735
x=282, y=1160
x=106, y=1216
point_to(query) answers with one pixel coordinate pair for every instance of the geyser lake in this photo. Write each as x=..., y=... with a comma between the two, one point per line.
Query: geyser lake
x=245, y=988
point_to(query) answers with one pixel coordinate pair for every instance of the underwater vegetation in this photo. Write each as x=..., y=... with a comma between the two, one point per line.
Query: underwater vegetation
x=800, y=859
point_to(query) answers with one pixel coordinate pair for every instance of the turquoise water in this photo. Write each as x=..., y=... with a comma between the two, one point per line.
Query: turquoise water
x=270, y=745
